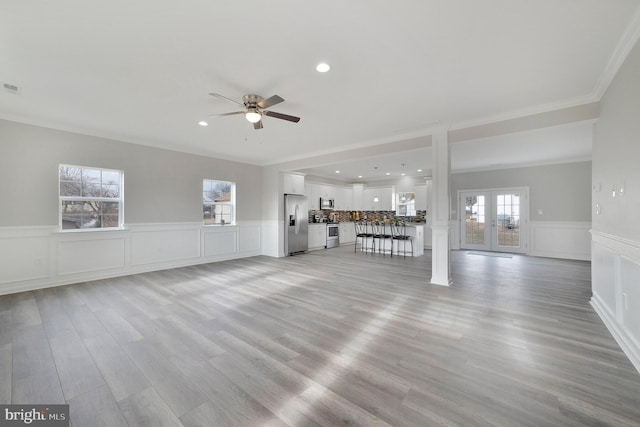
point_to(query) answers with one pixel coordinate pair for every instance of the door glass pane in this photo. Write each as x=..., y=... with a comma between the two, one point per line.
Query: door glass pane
x=475, y=219
x=508, y=219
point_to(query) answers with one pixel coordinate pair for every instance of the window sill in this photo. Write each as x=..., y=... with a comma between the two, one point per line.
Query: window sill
x=90, y=230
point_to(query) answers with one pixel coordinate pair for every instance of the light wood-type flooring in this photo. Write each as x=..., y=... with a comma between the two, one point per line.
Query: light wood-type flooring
x=322, y=339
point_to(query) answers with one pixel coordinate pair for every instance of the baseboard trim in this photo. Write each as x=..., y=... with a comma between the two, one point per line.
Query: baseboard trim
x=628, y=345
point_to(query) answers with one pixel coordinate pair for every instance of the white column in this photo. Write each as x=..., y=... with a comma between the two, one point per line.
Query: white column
x=440, y=265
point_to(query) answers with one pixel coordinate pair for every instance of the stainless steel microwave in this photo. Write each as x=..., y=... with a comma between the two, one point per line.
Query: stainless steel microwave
x=326, y=203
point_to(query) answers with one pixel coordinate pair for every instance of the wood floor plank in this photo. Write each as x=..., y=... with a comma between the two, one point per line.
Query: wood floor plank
x=147, y=409
x=228, y=403
x=6, y=362
x=119, y=372
x=41, y=388
x=96, y=408
x=167, y=380
x=31, y=352
x=289, y=407
x=120, y=329
x=71, y=357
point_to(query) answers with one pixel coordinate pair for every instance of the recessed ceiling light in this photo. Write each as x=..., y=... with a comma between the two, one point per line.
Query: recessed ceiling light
x=337, y=171
x=403, y=174
x=323, y=67
x=359, y=176
x=203, y=123
x=388, y=173
x=419, y=170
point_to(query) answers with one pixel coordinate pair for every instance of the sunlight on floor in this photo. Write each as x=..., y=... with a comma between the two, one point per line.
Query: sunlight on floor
x=343, y=360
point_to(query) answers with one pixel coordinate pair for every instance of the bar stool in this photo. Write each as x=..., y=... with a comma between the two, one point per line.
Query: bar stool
x=399, y=234
x=380, y=233
x=361, y=233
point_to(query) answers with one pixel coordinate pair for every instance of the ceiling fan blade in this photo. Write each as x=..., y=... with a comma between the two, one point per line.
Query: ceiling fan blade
x=217, y=95
x=258, y=124
x=281, y=116
x=227, y=114
x=266, y=103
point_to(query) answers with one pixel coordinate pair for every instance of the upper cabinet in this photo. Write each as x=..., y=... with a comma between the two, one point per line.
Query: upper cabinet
x=357, y=197
x=293, y=183
x=420, y=190
x=340, y=195
x=343, y=199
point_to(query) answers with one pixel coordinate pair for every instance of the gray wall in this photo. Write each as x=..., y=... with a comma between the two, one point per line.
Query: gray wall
x=562, y=191
x=160, y=185
x=616, y=153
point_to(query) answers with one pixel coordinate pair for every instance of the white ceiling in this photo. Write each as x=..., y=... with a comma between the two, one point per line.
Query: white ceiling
x=140, y=70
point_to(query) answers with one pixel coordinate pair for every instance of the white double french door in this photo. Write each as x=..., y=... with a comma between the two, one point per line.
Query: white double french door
x=494, y=220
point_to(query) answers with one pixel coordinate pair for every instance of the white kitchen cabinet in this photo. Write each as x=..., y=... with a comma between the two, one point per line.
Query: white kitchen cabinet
x=293, y=183
x=420, y=190
x=313, y=196
x=326, y=191
x=343, y=199
x=347, y=232
x=341, y=196
x=386, y=198
x=317, y=236
x=357, y=194
x=338, y=198
x=348, y=199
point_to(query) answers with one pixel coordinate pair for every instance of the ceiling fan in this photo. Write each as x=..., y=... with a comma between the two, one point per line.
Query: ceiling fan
x=255, y=107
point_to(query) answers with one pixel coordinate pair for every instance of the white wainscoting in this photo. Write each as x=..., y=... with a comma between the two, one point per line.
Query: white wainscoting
x=221, y=241
x=171, y=242
x=40, y=257
x=555, y=239
x=615, y=278
x=273, y=238
x=25, y=254
x=89, y=252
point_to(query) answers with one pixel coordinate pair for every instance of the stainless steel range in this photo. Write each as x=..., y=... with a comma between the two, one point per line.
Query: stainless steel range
x=333, y=235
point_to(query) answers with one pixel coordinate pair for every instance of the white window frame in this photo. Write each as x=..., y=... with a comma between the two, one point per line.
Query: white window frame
x=409, y=206
x=119, y=200
x=212, y=204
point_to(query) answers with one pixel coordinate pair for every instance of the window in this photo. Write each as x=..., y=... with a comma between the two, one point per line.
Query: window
x=90, y=198
x=218, y=202
x=406, y=204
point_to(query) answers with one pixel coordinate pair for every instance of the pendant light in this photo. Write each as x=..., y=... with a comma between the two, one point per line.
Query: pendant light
x=403, y=195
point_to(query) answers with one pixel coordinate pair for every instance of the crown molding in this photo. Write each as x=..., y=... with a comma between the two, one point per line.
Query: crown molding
x=627, y=42
x=525, y=112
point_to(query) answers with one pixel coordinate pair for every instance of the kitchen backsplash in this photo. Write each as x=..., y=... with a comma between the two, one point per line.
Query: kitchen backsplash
x=343, y=216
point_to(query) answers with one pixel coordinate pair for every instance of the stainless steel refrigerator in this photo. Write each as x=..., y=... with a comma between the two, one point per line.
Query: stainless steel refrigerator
x=296, y=225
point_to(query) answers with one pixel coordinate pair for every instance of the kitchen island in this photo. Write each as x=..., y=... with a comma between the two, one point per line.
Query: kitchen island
x=415, y=230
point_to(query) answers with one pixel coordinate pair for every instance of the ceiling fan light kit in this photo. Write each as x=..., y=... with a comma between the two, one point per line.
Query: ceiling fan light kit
x=253, y=116
x=256, y=107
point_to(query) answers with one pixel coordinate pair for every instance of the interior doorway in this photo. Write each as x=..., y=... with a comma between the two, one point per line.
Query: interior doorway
x=494, y=219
